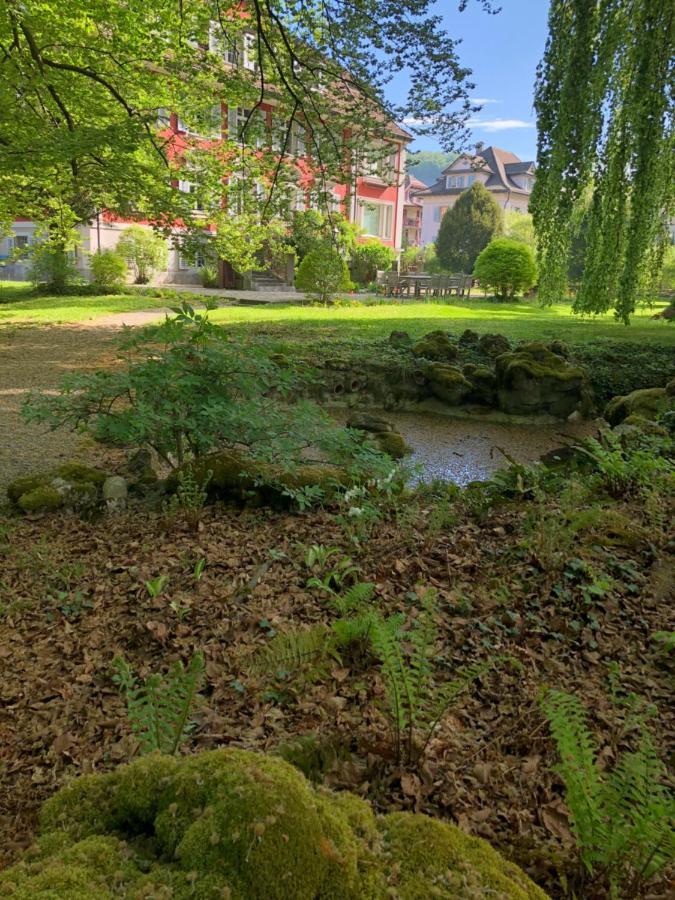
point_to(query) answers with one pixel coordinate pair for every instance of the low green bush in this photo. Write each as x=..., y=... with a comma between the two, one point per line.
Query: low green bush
x=108, y=269
x=507, y=267
x=368, y=258
x=323, y=273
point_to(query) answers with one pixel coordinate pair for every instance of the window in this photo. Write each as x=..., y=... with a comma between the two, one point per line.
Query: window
x=298, y=140
x=376, y=219
x=470, y=180
x=250, y=54
x=454, y=181
x=21, y=242
x=439, y=212
x=187, y=187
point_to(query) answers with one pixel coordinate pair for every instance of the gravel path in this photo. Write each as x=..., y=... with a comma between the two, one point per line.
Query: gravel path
x=34, y=358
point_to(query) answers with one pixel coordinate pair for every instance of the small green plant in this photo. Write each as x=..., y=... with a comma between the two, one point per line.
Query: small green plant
x=665, y=641
x=330, y=568
x=622, y=821
x=208, y=276
x=199, y=569
x=414, y=703
x=323, y=273
x=636, y=470
x=181, y=611
x=144, y=250
x=159, y=708
x=155, y=586
x=191, y=495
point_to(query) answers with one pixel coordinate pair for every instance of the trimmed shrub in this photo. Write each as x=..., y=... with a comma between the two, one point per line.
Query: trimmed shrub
x=323, y=273
x=144, y=250
x=208, y=276
x=467, y=228
x=506, y=267
x=108, y=268
x=52, y=269
x=367, y=258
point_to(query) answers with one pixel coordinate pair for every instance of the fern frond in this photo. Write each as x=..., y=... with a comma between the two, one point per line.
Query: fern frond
x=292, y=650
x=159, y=709
x=354, y=597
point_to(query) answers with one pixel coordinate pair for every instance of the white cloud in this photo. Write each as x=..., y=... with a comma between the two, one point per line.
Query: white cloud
x=492, y=125
x=482, y=101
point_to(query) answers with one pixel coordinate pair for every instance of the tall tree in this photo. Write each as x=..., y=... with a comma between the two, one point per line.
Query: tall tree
x=467, y=228
x=604, y=102
x=86, y=84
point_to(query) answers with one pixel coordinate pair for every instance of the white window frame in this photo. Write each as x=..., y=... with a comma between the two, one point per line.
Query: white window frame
x=385, y=219
x=454, y=181
x=249, y=56
x=439, y=212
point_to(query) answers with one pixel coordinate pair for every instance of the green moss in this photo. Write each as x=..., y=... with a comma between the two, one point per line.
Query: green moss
x=392, y=443
x=41, y=499
x=230, y=823
x=424, y=852
x=447, y=383
x=494, y=344
x=77, y=472
x=533, y=380
x=646, y=425
x=483, y=383
x=436, y=345
x=648, y=403
x=23, y=485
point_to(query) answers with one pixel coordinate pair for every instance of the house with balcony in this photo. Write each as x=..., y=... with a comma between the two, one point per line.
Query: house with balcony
x=412, y=212
x=508, y=178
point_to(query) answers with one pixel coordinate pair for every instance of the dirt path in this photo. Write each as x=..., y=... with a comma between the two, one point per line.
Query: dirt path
x=33, y=358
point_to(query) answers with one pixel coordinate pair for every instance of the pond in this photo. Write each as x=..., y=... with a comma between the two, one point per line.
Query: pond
x=469, y=449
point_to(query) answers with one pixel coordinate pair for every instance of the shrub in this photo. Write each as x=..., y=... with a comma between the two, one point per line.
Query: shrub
x=208, y=276
x=52, y=268
x=507, y=267
x=467, y=228
x=367, y=258
x=144, y=250
x=189, y=389
x=108, y=268
x=323, y=273
x=310, y=229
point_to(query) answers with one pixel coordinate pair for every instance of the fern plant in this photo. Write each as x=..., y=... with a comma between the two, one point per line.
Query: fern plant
x=159, y=708
x=415, y=704
x=623, y=822
x=307, y=650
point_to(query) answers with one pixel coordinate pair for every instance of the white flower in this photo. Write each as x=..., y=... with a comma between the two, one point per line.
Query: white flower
x=355, y=511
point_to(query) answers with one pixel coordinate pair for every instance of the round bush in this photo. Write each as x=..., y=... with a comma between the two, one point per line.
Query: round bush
x=245, y=826
x=506, y=267
x=323, y=273
x=367, y=258
x=108, y=268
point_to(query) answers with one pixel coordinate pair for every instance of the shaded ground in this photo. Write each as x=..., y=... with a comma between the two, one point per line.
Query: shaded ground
x=74, y=598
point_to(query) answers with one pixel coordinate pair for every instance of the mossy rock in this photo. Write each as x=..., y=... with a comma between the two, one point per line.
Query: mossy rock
x=483, y=384
x=448, y=384
x=533, y=380
x=365, y=422
x=493, y=344
x=392, y=443
x=235, y=476
x=437, y=346
x=560, y=348
x=401, y=340
x=646, y=426
x=468, y=337
x=236, y=824
x=70, y=484
x=647, y=403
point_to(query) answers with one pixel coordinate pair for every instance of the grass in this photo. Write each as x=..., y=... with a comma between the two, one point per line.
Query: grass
x=19, y=305
x=523, y=320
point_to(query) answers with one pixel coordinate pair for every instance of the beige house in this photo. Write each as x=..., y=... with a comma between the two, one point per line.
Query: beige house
x=507, y=177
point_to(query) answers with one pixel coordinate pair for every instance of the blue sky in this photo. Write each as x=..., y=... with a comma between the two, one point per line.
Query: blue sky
x=503, y=52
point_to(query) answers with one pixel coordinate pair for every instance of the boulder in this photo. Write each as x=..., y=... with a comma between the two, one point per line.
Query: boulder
x=533, y=381
x=483, y=384
x=246, y=826
x=71, y=484
x=436, y=345
x=115, y=493
x=392, y=443
x=400, y=340
x=365, y=422
x=560, y=348
x=647, y=403
x=448, y=384
x=468, y=338
x=493, y=344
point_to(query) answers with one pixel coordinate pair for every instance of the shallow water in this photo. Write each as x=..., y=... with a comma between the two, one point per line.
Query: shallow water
x=464, y=450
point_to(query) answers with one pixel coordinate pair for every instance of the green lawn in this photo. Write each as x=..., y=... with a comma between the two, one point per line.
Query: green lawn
x=18, y=306
x=524, y=320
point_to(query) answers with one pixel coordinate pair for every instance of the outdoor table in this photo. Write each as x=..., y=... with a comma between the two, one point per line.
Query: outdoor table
x=418, y=282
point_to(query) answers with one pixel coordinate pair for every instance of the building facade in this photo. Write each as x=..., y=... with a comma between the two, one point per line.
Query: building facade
x=508, y=178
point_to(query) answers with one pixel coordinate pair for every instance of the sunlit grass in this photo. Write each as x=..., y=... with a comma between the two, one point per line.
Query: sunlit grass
x=19, y=305
x=524, y=320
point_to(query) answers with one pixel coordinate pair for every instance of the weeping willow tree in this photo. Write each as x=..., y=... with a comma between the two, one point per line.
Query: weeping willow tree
x=604, y=101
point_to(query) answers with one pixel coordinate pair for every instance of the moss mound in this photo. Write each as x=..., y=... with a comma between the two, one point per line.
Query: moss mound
x=392, y=443
x=448, y=384
x=233, y=475
x=241, y=825
x=534, y=380
x=493, y=344
x=483, y=384
x=70, y=484
x=436, y=345
x=648, y=403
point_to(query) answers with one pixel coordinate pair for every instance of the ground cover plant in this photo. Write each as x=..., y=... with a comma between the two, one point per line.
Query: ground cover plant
x=535, y=581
